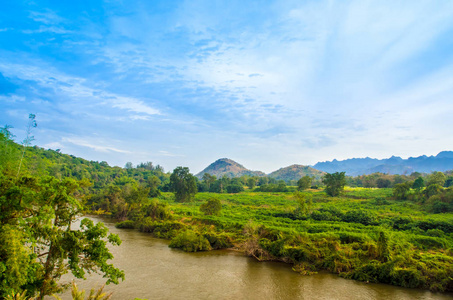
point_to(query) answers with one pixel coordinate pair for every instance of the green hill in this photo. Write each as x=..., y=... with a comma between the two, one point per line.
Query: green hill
x=227, y=167
x=295, y=172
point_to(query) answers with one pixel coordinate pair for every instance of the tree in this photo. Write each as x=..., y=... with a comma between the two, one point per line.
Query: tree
x=183, y=184
x=304, y=183
x=335, y=183
x=208, y=179
x=153, y=183
x=305, y=203
x=251, y=182
x=436, y=178
x=418, y=184
x=31, y=124
x=432, y=189
x=37, y=242
x=401, y=190
x=211, y=207
x=383, y=182
x=8, y=151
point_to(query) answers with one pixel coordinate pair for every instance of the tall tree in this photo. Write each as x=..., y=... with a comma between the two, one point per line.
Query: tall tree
x=251, y=182
x=335, y=183
x=208, y=179
x=31, y=124
x=183, y=184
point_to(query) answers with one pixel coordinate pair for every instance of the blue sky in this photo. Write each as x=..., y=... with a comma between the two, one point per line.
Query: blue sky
x=265, y=83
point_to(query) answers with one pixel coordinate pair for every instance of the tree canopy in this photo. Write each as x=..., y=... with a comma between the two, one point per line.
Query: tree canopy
x=183, y=184
x=335, y=183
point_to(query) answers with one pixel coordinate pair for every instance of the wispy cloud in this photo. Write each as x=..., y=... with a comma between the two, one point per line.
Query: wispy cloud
x=74, y=88
x=46, y=17
x=92, y=145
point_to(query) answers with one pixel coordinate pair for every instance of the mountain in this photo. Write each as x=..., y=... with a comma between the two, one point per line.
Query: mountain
x=393, y=165
x=228, y=167
x=295, y=172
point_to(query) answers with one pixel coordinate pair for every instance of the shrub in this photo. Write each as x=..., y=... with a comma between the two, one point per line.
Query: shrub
x=359, y=216
x=211, y=207
x=128, y=224
x=219, y=241
x=190, y=241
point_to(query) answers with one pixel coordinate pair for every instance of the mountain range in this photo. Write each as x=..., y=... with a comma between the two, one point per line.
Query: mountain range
x=353, y=167
x=393, y=165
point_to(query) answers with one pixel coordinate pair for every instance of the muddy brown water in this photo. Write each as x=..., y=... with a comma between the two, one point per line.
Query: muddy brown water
x=155, y=271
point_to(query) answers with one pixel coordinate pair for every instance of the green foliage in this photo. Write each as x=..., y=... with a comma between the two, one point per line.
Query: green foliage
x=335, y=183
x=190, y=241
x=41, y=212
x=234, y=188
x=251, y=182
x=432, y=189
x=272, y=187
x=128, y=224
x=359, y=216
x=80, y=295
x=183, y=184
x=436, y=178
x=211, y=207
x=305, y=202
x=401, y=191
x=418, y=184
x=304, y=183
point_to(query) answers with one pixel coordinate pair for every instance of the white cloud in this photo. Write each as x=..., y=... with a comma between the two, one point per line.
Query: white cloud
x=75, y=88
x=12, y=98
x=134, y=105
x=95, y=145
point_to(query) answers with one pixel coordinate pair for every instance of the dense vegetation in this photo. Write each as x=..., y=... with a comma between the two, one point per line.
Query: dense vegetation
x=38, y=243
x=400, y=233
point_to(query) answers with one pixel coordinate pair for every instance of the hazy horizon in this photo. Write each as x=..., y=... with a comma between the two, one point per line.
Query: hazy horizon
x=268, y=85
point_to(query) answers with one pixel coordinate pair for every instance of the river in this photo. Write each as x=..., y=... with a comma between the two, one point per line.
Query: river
x=155, y=271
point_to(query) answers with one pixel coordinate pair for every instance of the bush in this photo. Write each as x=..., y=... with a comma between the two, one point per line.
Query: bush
x=161, y=229
x=219, y=241
x=128, y=224
x=211, y=207
x=190, y=241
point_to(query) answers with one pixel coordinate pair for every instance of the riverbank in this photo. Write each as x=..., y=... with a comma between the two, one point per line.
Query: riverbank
x=155, y=271
x=366, y=239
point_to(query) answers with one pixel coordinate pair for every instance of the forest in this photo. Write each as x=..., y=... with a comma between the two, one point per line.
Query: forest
x=395, y=229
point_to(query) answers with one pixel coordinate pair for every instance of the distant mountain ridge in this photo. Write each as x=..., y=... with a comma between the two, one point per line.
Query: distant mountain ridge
x=393, y=165
x=227, y=167
x=352, y=166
